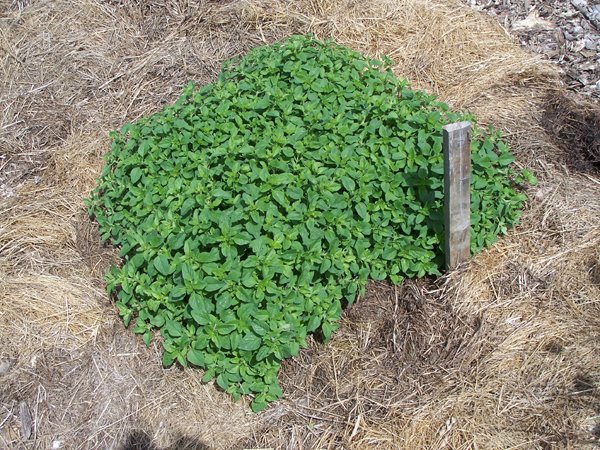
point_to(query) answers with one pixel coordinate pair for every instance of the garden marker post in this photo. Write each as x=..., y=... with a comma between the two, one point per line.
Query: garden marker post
x=457, y=193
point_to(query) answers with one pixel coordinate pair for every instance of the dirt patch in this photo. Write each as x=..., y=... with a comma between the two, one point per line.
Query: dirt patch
x=98, y=256
x=575, y=127
x=140, y=440
x=594, y=271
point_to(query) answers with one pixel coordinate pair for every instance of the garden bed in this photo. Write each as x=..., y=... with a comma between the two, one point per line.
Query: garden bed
x=502, y=353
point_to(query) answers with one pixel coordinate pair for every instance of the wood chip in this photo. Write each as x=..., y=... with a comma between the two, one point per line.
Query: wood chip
x=590, y=13
x=26, y=420
x=4, y=366
x=533, y=22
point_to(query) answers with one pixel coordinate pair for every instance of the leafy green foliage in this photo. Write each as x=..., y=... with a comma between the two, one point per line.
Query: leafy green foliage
x=249, y=211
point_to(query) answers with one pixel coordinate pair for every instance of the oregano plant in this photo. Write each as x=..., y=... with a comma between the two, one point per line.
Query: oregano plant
x=251, y=210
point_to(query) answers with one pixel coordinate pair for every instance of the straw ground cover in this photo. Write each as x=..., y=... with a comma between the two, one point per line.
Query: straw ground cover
x=501, y=354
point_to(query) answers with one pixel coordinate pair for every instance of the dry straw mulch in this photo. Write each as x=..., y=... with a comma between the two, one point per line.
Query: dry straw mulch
x=504, y=353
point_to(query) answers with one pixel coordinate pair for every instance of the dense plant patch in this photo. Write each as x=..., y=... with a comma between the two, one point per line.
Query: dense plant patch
x=249, y=211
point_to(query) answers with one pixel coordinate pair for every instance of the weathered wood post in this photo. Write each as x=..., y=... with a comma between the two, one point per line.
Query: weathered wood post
x=457, y=193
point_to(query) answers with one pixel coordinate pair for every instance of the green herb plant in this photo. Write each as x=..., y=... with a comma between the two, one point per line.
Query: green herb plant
x=251, y=210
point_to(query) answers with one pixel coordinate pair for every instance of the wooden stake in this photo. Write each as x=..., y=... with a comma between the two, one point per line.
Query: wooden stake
x=457, y=193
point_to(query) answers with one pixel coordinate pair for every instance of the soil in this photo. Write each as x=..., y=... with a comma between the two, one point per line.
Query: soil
x=574, y=127
x=558, y=31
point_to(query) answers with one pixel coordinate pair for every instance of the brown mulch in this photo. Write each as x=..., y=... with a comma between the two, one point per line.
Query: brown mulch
x=501, y=354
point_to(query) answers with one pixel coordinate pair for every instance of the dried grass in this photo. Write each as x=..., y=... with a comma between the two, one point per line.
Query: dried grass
x=501, y=354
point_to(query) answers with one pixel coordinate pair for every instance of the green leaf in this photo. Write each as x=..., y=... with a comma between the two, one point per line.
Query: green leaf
x=328, y=328
x=181, y=124
x=258, y=404
x=196, y=357
x=275, y=391
x=161, y=263
x=225, y=328
x=188, y=206
x=168, y=359
x=173, y=328
x=212, y=284
x=389, y=253
x=361, y=209
x=259, y=328
x=200, y=304
x=250, y=342
x=279, y=197
x=290, y=349
x=147, y=338
x=506, y=159
x=225, y=301
x=201, y=318
x=177, y=293
x=348, y=183
x=234, y=340
x=325, y=266
x=222, y=382
x=188, y=273
x=136, y=174
x=212, y=256
x=263, y=352
x=208, y=375
x=313, y=323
